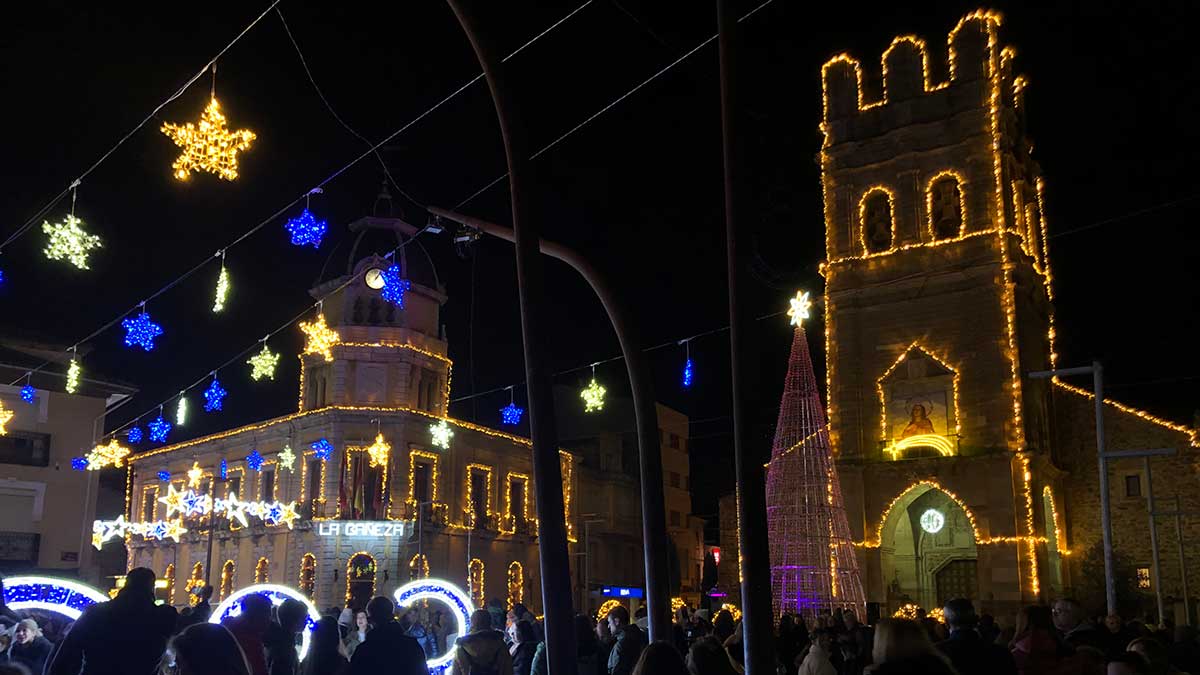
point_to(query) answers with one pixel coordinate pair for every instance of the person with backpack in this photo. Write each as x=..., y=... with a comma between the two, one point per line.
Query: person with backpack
x=482, y=651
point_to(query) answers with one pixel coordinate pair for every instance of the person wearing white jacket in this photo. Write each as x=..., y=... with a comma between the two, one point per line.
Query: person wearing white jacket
x=818, y=661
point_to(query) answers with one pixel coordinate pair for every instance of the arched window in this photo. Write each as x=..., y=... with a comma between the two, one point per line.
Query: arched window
x=169, y=573
x=227, y=571
x=195, y=583
x=475, y=574
x=516, y=583
x=308, y=574
x=876, y=219
x=946, y=205
x=360, y=580
x=262, y=571
x=418, y=567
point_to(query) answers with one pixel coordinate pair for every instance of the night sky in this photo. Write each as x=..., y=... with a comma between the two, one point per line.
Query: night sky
x=1112, y=110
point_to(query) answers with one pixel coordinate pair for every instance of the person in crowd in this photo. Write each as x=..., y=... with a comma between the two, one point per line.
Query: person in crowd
x=723, y=625
x=8, y=618
x=387, y=649
x=280, y=640
x=587, y=650
x=203, y=609
x=416, y=624
x=605, y=639
x=1185, y=650
x=358, y=633
x=736, y=649
x=988, y=630
x=630, y=641
x=250, y=629
x=1072, y=621
x=326, y=655
x=496, y=609
x=514, y=615
x=483, y=649
x=1037, y=647
x=855, y=645
x=1117, y=634
x=1156, y=655
x=1127, y=663
x=707, y=656
x=966, y=649
x=903, y=646
x=29, y=647
x=125, y=636
x=206, y=649
x=788, y=643
x=523, y=648
x=819, y=660
x=345, y=619
x=660, y=658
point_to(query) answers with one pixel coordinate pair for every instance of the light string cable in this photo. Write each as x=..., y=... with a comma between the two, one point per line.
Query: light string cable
x=153, y=113
x=611, y=105
x=369, y=152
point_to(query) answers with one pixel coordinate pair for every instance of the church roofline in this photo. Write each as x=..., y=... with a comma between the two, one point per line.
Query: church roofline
x=1192, y=434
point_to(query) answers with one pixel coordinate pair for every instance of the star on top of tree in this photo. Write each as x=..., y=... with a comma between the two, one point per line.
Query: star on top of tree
x=209, y=145
x=799, y=308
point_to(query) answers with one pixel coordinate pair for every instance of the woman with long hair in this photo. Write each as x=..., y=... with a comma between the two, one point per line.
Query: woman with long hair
x=903, y=646
x=523, y=648
x=206, y=649
x=660, y=658
x=326, y=654
x=1036, y=645
x=707, y=656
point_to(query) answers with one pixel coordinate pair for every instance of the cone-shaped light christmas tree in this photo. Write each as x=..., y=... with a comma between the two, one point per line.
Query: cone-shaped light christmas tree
x=813, y=565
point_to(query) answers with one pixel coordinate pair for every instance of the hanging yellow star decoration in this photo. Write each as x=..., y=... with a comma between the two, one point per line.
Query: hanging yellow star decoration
x=5, y=416
x=263, y=364
x=103, y=456
x=799, y=308
x=173, y=500
x=68, y=241
x=321, y=338
x=593, y=396
x=195, y=475
x=378, y=451
x=208, y=145
x=287, y=458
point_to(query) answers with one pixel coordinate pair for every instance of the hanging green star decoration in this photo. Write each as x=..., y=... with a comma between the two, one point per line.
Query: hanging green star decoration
x=263, y=364
x=287, y=458
x=68, y=241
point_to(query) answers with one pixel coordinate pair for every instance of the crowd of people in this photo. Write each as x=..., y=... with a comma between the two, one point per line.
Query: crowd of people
x=135, y=635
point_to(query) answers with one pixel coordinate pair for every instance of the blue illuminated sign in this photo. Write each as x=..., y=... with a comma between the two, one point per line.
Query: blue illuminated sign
x=621, y=592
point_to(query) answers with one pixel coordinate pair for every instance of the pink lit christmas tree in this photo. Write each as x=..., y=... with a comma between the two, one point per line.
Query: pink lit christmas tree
x=813, y=564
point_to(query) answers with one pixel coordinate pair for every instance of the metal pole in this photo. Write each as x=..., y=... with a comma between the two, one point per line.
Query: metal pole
x=547, y=472
x=1110, y=588
x=1153, y=538
x=757, y=634
x=587, y=569
x=641, y=385
x=1187, y=601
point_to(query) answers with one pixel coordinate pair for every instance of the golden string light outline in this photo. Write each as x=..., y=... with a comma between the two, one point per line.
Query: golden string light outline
x=862, y=218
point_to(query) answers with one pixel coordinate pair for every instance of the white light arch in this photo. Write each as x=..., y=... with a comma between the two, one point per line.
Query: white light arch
x=276, y=593
x=448, y=593
x=61, y=596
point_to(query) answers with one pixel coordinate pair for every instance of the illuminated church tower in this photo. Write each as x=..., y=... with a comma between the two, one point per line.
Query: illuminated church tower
x=937, y=305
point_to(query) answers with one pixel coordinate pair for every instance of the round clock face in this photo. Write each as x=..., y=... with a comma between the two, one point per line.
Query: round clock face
x=374, y=278
x=932, y=521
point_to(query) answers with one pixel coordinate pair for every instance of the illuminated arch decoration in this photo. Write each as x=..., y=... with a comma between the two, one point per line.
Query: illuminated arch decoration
x=60, y=596
x=195, y=583
x=475, y=576
x=169, y=574
x=942, y=176
x=418, y=567
x=944, y=446
x=451, y=595
x=863, y=203
x=516, y=584
x=232, y=606
x=932, y=485
x=608, y=606
x=308, y=574
x=360, y=575
x=262, y=571
x=227, y=572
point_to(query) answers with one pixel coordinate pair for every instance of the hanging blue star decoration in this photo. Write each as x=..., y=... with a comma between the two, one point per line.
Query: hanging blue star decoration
x=511, y=414
x=214, y=396
x=140, y=331
x=306, y=230
x=134, y=435
x=323, y=449
x=254, y=460
x=79, y=463
x=688, y=373
x=394, y=287
x=159, y=428
x=224, y=469
x=28, y=394
x=164, y=475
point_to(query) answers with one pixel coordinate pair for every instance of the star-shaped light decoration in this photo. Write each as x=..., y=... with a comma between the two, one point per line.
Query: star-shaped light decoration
x=254, y=460
x=306, y=230
x=214, y=396
x=799, y=308
x=79, y=463
x=287, y=458
x=173, y=500
x=164, y=475
x=196, y=504
x=321, y=338
x=511, y=414
x=377, y=452
x=28, y=394
x=440, y=434
x=174, y=529
x=5, y=416
x=195, y=475
x=140, y=331
x=112, y=454
x=134, y=435
x=103, y=530
x=287, y=514
x=263, y=364
x=73, y=372
x=68, y=241
x=208, y=146
x=593, y=396
x=394, y=287
x=323, y=449
x=234, y=508
x=159, y=428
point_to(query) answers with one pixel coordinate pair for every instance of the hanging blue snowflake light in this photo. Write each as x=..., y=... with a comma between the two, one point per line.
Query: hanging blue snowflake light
x=306, y=230
x=511, y=414
x=214, y=396
x=688, y=373
x=134, y=435
x=159, y=429
x=79, y=463
x=394, y=287
x=164, y=475
x=224, y=469
x=254, y=460
x=323, y=449
x=28, y=394
x=140, y=331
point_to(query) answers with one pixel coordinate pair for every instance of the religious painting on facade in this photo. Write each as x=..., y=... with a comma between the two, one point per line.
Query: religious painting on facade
x=920, y=414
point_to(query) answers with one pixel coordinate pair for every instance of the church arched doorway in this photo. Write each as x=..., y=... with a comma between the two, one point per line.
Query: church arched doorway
x=927, y=549
x=360, y=580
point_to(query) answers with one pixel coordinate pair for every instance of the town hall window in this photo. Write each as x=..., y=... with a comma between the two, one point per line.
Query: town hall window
x=876, y=215
x=945, y=207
